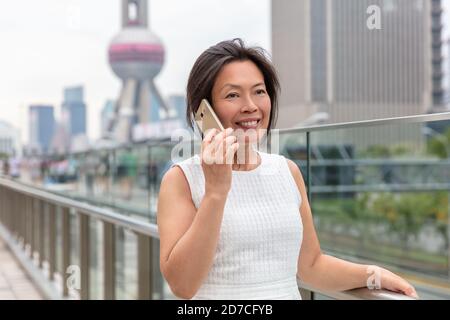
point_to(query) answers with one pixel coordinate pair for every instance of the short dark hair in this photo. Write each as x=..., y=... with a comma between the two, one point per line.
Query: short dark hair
x=208, y=65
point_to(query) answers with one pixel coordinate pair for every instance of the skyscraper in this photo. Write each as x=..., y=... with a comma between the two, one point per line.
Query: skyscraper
x=74, y=111
x=42, y=125
x=291, y=52
x=333, y=62
x=136, y=56
x=107, y=115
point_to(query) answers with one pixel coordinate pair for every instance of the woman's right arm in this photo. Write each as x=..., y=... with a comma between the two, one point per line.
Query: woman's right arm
x=189, y=237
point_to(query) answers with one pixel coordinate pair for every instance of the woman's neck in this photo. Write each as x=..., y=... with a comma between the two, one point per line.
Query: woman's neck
x=246, y=158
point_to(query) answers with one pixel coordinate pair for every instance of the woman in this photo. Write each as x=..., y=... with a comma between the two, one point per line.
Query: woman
x=229, y=229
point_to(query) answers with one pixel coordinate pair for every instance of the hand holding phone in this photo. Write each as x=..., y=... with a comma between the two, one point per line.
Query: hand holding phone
x=217, y=176
x=206, y=118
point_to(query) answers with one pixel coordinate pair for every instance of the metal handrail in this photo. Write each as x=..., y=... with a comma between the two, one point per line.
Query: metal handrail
x=370, y=123
x=103, y=214
x=87, y=200
x=356, y=294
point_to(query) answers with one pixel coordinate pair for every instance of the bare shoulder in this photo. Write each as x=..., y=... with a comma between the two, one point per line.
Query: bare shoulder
x=173, y=174
x=174, y=178
x=174, y=193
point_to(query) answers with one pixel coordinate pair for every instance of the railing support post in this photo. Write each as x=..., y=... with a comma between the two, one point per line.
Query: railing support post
x=52, y=241
x=145, y=267
x=41, y=233
x=109, y=254
x=66, y=248
x=84, y=255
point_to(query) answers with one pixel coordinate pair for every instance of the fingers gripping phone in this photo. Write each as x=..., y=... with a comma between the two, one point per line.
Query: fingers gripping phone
x=206, y=118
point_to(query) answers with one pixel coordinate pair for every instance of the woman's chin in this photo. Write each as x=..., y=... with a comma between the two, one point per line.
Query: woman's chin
x=248, y=136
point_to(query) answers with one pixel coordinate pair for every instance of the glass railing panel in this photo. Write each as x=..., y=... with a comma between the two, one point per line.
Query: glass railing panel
x=77, y=162
x=294, y=146
x=125, y=176
x=89, y=167
x=380, y=195
x=140, y=186
x=101, y=170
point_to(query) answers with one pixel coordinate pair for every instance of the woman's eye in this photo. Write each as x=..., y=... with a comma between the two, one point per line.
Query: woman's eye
x=261, y=91
x=232, y=95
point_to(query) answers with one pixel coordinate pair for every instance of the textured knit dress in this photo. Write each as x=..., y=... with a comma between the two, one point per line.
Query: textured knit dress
x=261, y=232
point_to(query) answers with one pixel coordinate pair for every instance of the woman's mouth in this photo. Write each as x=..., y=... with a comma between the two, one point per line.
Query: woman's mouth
x=252, y=124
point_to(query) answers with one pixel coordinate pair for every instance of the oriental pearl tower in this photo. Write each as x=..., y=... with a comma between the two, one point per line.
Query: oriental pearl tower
x=136, y=56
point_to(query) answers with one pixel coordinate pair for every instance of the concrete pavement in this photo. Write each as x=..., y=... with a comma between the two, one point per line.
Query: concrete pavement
x=14, y=282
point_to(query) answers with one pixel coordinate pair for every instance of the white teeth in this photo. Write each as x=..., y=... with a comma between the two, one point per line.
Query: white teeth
x=249, y=123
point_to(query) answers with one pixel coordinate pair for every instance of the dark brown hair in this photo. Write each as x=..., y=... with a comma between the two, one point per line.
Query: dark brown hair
x=208, y=65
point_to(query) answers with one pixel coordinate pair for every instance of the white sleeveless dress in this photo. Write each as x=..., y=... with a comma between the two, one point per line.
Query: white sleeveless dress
x=261, y=232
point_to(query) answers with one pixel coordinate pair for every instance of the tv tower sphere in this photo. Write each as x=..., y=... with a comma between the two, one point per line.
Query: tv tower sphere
x=136, y=53
x=136, y=56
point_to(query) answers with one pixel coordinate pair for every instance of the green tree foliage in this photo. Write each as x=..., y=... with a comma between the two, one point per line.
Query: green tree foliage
x=439, y=145
x=377, y=151
x=404, y=214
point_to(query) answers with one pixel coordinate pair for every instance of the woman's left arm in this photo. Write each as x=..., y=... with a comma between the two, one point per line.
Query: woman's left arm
x=332, y=274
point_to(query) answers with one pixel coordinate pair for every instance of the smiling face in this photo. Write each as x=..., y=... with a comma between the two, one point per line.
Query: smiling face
x=240, y=99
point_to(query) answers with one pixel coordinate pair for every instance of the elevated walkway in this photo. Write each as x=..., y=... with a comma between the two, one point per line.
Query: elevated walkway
x=14, y=282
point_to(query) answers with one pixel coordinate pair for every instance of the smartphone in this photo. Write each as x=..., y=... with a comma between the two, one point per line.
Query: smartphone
x=206, y=118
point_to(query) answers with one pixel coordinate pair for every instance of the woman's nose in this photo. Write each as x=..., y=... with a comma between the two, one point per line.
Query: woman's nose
x=249, y=106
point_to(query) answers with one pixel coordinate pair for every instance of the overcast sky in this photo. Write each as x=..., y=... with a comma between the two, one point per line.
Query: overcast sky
x=50, y=44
